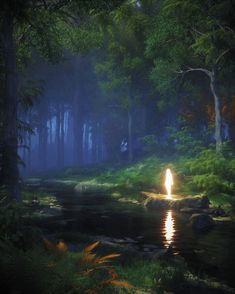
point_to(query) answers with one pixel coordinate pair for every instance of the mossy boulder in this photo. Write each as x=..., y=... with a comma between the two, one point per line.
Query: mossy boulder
x=157, y=201
x=201, y=222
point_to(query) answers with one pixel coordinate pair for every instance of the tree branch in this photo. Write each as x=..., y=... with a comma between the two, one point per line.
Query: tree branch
x=190, y=69
x=21, y=37
x=221, y=55
x=197, y=32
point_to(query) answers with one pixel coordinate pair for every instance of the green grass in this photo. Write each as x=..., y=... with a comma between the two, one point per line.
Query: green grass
x=208, y=173
x=44, y=198
x=227, y=202
x=142, y=274
x=147, y=173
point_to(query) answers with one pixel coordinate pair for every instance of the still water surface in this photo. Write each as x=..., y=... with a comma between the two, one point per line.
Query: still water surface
x=96, y=214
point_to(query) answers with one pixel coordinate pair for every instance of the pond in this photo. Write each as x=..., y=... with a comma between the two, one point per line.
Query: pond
x=97, y=214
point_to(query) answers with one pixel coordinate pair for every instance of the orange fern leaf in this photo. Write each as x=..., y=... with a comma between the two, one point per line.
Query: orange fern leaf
x=113, y=273
x=90, y=247
x=87, y=272
x=107, y=258
x=48, y=244
x=88, y=257
x=121, y=283
x=62, y=247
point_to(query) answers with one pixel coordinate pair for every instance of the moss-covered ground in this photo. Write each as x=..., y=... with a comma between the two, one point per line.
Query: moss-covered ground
x=208, y=174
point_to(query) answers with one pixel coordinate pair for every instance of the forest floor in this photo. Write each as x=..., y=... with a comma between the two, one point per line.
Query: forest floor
x=163, y=274
x=126, y=182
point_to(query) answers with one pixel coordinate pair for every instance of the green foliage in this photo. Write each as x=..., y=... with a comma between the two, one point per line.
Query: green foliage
x=211, y=172
x=190, y=37
x=141, y=273
x=121, y=67
x=186, y=144
x=156, y=276
x=10, y=218
x=171, y=278
x=35, y=271
x=56, y=270
x=137, y=176
x=150, y=144
x=29, y=93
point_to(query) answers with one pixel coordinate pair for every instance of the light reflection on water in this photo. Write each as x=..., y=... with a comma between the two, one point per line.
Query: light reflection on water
x=168, y=229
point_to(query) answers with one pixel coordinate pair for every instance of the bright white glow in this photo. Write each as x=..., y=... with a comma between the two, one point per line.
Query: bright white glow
x=169, y=228
x=168, y=183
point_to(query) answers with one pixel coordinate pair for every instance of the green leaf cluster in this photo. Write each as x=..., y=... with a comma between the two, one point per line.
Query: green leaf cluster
x=211, y=173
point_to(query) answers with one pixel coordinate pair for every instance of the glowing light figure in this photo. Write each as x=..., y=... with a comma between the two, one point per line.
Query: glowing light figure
x=168, y=183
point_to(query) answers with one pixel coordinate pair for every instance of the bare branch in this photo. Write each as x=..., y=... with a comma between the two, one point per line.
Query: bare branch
x=21, y=37
x=198, y=32
x=190, y=69
x=221, y=55
x=225, y=28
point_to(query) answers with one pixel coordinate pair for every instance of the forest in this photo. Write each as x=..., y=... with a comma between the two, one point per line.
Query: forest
x=117, y=146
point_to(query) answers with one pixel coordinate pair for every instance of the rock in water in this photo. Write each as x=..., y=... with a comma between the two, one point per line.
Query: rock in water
x=201, y=222
x=195, y=203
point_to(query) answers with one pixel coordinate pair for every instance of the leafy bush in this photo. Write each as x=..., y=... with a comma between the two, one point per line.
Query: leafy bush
x=56, y=270
x=211, y=172
x=142, y=273
x=185, y=143
x=171, y=278
x=137, y=176
x=149, y=144
x=10, y=218
x=34, y=271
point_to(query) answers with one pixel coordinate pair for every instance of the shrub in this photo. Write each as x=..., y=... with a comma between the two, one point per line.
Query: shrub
x=185, y=143
x=171, y=278
x=10, y=217
x=56, y=270
x=210, y=172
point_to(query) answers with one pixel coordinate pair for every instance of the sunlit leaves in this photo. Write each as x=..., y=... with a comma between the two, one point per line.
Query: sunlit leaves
x=186, y=34
x=163, y=75
x=61, y=247
x=122, y=68
x=90, y=265
x=212, y=173
x=121, y=283
x=90, y=247
x=107, y=258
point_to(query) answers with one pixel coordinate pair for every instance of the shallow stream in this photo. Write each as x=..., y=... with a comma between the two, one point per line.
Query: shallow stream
x=211, y=253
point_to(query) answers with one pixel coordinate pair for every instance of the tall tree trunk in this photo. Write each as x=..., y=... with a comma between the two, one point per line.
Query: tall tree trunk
x=75, y=131
x=10, y=172
x=28, y=161
x=57, y=138
x=29, y=154
x=130, y=143
x=43, y=138
x=100, y=155
x=50, y=132
x=143, y=119
x=44, y=145
x=218, y=136
x=24, y=135
x=95, y=129
x=62, y=137
x=78, y=117
x=218, y=120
